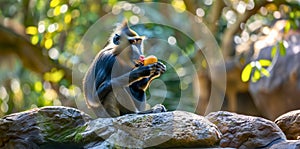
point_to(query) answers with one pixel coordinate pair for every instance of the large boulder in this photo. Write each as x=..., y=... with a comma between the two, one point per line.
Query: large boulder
x=289, y=123
x=241, y=131
x=280, y=92
x=38, y=127
x=62, y=127
x=163, y=130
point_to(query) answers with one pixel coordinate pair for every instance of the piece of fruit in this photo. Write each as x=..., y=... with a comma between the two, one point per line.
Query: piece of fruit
x=150, y=60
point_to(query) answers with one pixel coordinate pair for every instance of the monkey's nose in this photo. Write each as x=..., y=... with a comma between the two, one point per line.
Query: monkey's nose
x=142, y=58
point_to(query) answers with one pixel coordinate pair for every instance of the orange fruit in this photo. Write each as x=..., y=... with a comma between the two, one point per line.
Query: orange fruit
x=150, y=60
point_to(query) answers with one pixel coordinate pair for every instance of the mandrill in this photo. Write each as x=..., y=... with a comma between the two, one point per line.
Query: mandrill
x=118, y=77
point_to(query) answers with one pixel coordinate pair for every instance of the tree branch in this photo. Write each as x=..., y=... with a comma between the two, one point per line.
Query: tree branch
x=214, y=16
x=227, y=42
x=190, y=6
x=31, y=56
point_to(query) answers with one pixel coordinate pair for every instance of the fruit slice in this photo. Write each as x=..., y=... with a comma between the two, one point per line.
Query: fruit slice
x=150, y=60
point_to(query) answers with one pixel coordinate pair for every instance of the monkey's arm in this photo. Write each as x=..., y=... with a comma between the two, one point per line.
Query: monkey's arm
x=143, y=72
x=104, y=89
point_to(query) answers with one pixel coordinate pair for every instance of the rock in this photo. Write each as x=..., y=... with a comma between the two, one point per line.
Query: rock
x=241, y=131
x=62, y=127
x=289, y=144
x=289, y=123
x=38, y=127
x=163, y=130
x=280, y=92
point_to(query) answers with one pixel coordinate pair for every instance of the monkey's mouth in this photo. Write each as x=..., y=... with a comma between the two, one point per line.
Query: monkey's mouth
x=140, y=61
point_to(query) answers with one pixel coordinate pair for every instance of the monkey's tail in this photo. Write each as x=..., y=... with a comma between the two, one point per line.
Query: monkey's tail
x=92, y=102
x=89, y=91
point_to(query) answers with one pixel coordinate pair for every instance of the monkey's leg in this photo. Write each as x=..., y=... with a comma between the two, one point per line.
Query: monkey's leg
x=110, y=104
x=118, y=102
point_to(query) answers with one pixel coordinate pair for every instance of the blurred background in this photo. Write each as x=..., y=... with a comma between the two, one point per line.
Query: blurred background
x=259, y=41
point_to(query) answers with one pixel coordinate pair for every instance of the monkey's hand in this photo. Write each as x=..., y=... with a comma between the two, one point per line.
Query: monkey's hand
x=149, y=71
x=160, y=69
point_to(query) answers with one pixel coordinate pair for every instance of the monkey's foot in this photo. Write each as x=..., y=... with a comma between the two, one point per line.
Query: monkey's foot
x=156, y=109
x=159, y=108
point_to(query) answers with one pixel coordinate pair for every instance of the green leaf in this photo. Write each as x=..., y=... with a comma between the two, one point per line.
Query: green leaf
x=274, y=51
x=287, y=26
x=256, y=75
x=265, y=72
x=246, y=73
x=265, y=62
x=292, y=15
x=38, y=86
x=282, y=50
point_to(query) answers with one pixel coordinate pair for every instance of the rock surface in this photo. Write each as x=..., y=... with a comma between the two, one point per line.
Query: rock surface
x=289, y=123
x=37, y=127
x=163, y=130
x=240, y=131
x=62, y=127
x=289, y=144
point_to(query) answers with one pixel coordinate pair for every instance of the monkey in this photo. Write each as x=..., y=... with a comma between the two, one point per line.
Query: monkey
x=116, y=81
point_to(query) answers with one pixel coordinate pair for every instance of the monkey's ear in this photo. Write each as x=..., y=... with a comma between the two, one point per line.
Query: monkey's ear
x=124, y=23
x=124, y=26
x=121, y=27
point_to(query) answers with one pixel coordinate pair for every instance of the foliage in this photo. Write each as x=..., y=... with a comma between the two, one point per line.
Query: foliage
x=257, y=68
x=292, y=16
x=56, y=26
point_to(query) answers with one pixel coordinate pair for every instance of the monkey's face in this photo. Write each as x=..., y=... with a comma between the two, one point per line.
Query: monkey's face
x=129, y=47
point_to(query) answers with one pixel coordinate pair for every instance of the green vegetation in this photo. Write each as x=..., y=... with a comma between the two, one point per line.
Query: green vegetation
x=258, y=67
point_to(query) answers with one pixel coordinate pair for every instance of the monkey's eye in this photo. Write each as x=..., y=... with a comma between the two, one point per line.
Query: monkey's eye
x=116, y=39
x=135, y=41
